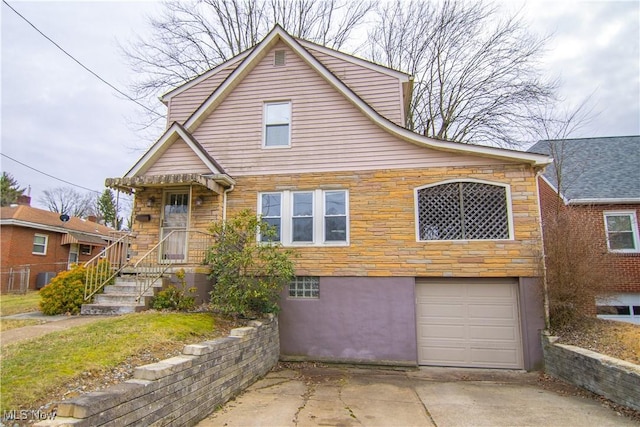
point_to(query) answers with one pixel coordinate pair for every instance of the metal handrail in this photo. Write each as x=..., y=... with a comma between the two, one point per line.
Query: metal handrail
x=177, y=247
x=98, y=273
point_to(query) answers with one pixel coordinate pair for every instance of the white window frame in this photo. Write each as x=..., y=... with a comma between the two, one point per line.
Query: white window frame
x=286, y=219
x=507, y=188
x=282, y=207
x=265, y=124
x=634, y=230
x=74, y=249
x=45, y=244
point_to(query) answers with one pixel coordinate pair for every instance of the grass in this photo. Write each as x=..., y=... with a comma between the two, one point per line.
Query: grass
x=19, y=303
x=7, y=324
x=32, y=369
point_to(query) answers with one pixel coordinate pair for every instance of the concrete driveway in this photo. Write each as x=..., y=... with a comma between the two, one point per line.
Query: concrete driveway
x=306, y=395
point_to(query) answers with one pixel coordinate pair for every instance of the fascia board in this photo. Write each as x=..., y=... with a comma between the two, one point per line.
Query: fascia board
x=553, y=187
x=402, y=76
x=188, y=85
x=606, y=201
x=279, y=34
x=155, y=151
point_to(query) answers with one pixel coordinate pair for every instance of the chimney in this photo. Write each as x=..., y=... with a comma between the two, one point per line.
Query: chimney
x=92, y=218
x=24, y=200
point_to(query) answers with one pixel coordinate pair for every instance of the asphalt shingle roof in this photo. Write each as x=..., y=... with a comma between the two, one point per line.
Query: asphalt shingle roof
x=28, y=214
x=594, y=168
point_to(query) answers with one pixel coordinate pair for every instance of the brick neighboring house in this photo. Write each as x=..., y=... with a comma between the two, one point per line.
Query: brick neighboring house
x=411, y=250
x=600, y=179
x=36, y=244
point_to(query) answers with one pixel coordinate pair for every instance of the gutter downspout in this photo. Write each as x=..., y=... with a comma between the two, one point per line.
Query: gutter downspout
x=224, y=202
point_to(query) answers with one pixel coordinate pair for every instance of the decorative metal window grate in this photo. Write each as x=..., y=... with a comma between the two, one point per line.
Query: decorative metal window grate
x=463, y=211
x=304, y=287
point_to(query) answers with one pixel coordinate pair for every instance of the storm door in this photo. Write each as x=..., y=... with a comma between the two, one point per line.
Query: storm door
x=175, y=218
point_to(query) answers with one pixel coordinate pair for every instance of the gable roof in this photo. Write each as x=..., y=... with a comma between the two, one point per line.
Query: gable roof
x=279, y=34
x=170, y=136
x=594, y=170
x=27, y=216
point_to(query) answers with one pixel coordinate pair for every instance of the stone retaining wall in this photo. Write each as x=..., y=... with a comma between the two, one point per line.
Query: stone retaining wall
x=182, y=390
x=615, y=379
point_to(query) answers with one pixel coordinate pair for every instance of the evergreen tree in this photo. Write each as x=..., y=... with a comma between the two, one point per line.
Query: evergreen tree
x=9, y=190
x=107, y=209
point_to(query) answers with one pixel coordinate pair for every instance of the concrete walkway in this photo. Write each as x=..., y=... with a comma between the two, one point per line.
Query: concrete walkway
x=51, y=324
x=440, y=397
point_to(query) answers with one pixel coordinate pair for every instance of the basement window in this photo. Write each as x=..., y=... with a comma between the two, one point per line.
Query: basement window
x=304, y=287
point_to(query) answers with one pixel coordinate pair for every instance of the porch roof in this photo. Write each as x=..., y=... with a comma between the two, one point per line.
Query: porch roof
x=215, y=183
x=85, y=239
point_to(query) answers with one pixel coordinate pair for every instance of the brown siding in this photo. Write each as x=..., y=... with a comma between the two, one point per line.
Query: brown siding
x=328, y=132
x=179, y=158
x=381, y=91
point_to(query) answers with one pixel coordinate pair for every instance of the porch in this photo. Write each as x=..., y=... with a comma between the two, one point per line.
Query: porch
x=171, y=216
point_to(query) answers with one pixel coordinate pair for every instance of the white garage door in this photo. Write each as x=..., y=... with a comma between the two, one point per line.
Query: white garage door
x=469, y=323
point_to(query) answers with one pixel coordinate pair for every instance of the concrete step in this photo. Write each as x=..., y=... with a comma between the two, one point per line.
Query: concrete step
x=129, y=288
x=111, y=310
x=112, y=299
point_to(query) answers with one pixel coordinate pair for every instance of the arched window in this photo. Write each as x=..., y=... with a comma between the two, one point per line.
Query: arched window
x=466, y=210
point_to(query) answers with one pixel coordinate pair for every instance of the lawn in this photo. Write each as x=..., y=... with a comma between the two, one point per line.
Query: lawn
x=19, y=303
x=33, y=370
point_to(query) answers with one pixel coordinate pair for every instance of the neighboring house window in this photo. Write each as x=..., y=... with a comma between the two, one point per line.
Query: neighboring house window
x=73, y=255
x=466, y=210
x=40, y=244
x=318, y=217
x=304, y=287
x=85, y=249
x=277, y=124
x=622, y=231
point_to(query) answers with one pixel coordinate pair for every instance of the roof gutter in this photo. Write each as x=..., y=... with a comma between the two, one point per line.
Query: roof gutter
x=599, y=201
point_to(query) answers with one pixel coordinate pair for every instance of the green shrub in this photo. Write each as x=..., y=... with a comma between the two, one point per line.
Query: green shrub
x=65, y=293
x=249, y=275
x=174, y=298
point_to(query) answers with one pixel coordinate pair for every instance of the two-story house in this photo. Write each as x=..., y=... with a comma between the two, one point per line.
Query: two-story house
x=599, y=179
x=411, y=250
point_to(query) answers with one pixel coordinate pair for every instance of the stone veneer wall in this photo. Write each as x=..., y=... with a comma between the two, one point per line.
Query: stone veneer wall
x=615, y=379
x=183, y=390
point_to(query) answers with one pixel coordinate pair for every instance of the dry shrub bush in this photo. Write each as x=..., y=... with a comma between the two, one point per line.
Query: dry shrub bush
x=576, y=266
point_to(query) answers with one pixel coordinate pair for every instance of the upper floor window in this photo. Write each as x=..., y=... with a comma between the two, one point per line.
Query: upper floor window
x=314, y=217
x=40, y=244
x=622, y=231
x=467, y=210
x=277, y=124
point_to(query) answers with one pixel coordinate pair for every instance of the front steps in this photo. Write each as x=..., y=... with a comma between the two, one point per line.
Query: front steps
x=120, y=298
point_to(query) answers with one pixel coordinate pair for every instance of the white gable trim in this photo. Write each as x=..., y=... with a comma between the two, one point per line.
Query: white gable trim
x=555, y=190
x=158, y=149
x=403, y=77
x=191, y=83
x=278, y=34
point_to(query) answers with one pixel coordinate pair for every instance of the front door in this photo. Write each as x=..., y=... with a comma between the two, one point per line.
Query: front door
x=175, y=218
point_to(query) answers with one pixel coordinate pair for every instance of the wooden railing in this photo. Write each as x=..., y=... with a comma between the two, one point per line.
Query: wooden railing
x=99, y=273
x=179, y=247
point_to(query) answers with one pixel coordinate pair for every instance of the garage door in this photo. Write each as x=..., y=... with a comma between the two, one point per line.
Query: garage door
x=468, y=323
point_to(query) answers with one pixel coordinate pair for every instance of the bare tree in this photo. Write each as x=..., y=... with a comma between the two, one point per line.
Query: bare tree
x=555, y=125
x=189, y=38
x=475, y=74
x=66, y=200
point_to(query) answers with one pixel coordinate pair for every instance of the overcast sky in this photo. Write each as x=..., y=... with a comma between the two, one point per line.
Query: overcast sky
x=59, y=119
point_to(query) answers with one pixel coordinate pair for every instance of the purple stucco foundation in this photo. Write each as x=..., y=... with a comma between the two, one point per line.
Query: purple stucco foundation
x=356, y=319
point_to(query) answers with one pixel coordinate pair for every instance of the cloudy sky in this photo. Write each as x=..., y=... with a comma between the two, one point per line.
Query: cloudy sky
x=60, y=120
